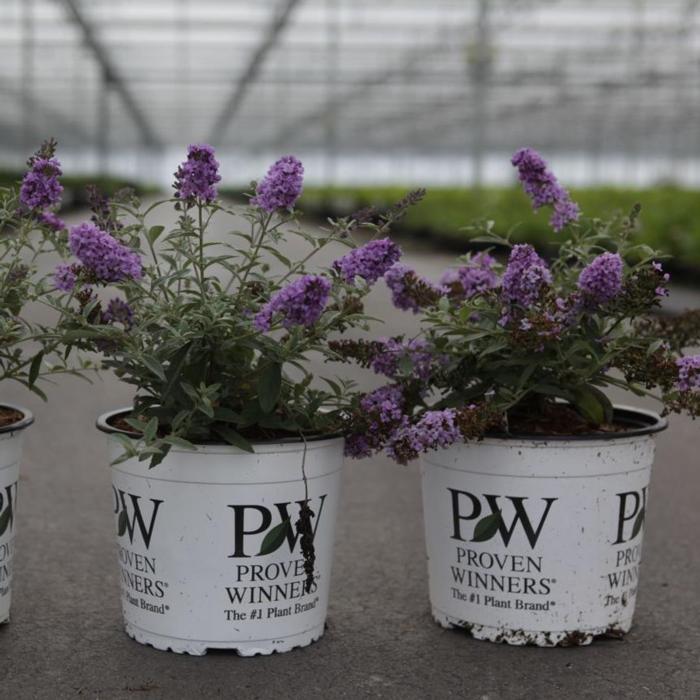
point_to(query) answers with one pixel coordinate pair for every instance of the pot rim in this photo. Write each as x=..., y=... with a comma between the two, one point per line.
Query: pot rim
x=647, y=423
x=26, y=420
x=102, y=424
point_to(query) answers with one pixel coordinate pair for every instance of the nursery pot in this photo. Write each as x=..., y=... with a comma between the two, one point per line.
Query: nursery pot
x=189, y=538
x=538, y=540
x=11, y=437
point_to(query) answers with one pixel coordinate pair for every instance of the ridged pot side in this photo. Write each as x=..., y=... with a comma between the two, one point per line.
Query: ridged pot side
x=190, y=533
x=538, y=540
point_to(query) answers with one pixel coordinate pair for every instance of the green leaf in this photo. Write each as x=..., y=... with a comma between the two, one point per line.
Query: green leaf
x=155, y=366
x=405, y=364
x=175, y=365
x=154, y=232
x=269, y=387
x=226, y=415
x=487, y=527
x=177, y=441
x=121, y=523
x=149, y=432
x=233, y=438
x=593, y=404
x=275, y=538
x=35, y=367
x=639, y=521
x=159, y=456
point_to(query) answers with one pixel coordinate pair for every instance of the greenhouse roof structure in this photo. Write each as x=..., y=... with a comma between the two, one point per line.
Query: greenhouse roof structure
x=337, y=76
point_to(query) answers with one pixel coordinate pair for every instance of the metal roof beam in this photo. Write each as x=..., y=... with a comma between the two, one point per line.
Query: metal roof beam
x=233, y=104
x=110, y=73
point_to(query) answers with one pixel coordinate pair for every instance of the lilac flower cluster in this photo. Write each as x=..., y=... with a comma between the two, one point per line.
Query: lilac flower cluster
x=410, y=292
x=52, y=221
x=434, y=430
x=103, y=255
x=476, y=277
x=601, y=280
x=382, y=409
x=118, y=311
x=417, y=351
x=281, y=187
x=525, y=277
x=688, y=373
x=370, y=261
x=661, y=290
x=300, y=303
x=542, y=187
x=40, y=187
x=196, y=177
x=65, y=276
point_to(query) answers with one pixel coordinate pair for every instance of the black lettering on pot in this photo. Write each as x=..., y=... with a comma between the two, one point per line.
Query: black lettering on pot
x=252, y=520
x=7, y=508
x=631, y=512
x=468, y=507
x=130, y=516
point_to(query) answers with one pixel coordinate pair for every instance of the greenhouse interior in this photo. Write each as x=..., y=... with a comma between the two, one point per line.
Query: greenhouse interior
x=443, y=253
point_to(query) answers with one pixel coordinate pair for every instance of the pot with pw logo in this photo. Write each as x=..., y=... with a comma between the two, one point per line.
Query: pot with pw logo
x=209, y=553
x=538, y=540
x=11, y=438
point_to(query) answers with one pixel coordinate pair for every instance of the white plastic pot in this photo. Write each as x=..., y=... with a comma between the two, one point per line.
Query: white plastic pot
x=538, y=540
x=189, y=536
x=11, y=438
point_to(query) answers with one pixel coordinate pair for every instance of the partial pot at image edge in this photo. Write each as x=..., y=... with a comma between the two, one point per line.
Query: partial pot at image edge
x=190, y=534
x=11, y=439
x=538, y=540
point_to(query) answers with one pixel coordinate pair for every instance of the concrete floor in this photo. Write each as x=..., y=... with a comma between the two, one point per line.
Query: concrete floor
x=65, y=639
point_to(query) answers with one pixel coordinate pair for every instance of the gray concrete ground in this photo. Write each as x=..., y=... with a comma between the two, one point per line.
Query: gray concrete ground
x=65, y=639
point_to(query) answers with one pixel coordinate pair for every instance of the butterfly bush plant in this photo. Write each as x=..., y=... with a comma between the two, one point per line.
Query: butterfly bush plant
x=514, y=343
x=214, y=320
x=30, y=234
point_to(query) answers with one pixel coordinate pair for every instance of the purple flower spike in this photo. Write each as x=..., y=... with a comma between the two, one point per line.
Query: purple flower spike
x=434, y=430
x=410, y=292
x=423, y=361
x=525, y=277
x=196, y=178
x=118, y=311
x=65, y=277
x=357, y=446
x=370, y=261
x=281, y=187
x=542, y=187
x=50, y=220
x=601, y=280
x=103, y=255
x=40, y=187
x=300, y=303
x=688, y=373
x=476, y=277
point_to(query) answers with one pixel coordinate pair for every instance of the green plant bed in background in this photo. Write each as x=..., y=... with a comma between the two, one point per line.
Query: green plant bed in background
x=670, y=218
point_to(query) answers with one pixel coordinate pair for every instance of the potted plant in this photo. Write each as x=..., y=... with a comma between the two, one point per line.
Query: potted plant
x=226, y=469
x=535, y=486
x=29, y=230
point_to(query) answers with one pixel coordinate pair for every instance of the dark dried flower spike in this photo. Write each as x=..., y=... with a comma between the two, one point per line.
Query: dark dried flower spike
x=46, y=150
x=304, y=528
x=102, y=214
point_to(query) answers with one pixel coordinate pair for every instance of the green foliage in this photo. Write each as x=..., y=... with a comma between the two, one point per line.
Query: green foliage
x=519, y=359
x=202, y=368
x=29, y=351
x=669, y=221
